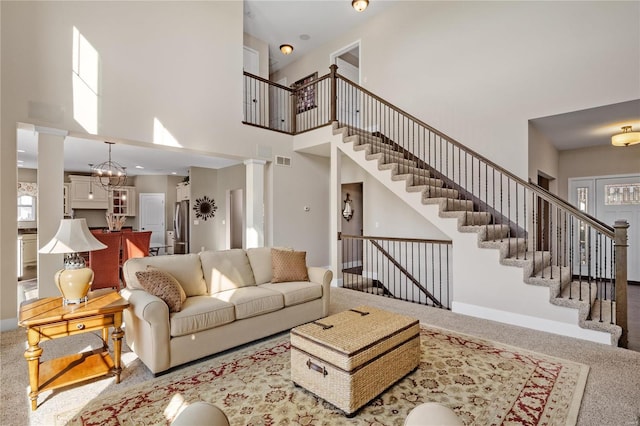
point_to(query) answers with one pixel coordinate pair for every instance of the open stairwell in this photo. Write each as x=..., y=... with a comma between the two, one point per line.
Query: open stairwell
x=496, y=276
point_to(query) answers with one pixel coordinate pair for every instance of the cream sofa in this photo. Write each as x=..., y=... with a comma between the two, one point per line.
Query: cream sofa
x=230, y=301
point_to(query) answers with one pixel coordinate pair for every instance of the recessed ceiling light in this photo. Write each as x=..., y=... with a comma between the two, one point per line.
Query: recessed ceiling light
x=139, y=167
x=305, y=36
x=174, y=173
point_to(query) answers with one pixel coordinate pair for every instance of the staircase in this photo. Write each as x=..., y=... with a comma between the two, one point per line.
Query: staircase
x=392, y=165
x=521, y=255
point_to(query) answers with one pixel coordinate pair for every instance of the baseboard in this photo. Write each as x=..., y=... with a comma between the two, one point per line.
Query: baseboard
x=8, y=324
x=534, y=323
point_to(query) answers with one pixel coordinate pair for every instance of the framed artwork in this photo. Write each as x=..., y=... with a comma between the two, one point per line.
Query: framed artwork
x=205, y=208
x=306, y=96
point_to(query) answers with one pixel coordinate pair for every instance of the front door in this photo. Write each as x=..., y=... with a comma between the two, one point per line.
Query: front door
x=608, y=199
x=619, y=198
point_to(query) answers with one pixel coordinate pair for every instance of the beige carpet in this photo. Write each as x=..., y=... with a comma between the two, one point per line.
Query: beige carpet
x=483, y=382
x=611, y=396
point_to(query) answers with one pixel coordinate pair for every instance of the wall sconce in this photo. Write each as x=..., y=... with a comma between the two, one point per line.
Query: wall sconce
x=347, y=212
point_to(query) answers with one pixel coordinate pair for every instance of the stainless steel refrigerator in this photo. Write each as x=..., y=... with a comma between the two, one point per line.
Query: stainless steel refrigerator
x=181, y=228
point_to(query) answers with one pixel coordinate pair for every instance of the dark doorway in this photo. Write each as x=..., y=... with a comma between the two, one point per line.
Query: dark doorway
x=543, y=217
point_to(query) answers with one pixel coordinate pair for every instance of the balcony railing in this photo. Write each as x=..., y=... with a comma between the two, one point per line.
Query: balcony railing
x=414, y=270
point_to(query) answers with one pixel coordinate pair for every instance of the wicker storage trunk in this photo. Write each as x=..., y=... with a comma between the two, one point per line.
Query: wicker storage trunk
x=351, y=357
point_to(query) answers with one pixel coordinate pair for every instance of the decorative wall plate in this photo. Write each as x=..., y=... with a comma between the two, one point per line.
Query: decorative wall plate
x=205, y=208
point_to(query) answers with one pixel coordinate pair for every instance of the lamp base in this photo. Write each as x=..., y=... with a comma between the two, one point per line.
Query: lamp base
x=74, y=284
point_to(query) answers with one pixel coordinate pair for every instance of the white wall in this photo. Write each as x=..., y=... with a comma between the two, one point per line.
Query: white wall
x=176, y=62
x=543, y=157
x=385, y=214
x=478, y=71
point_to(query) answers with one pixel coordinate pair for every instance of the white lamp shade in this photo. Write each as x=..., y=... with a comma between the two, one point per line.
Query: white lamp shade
x=73, y=236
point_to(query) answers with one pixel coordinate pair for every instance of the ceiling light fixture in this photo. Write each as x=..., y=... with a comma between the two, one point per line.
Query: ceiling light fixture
x=626, y=138
x=360, y=5
x=286, y=49
x=109, y=174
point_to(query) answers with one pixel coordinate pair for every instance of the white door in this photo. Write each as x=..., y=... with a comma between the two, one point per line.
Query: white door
x=349, y=102
x=251, y=87
x=607, y=199
x=619, y=198
x=279, y=100
x=152, y=217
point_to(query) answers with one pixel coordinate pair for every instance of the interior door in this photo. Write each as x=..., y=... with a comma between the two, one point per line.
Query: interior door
x=152, y=216
x=349, y=102
x=279, y=101
x=251, y=87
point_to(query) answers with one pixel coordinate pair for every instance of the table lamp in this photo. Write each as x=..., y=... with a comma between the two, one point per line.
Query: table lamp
x=73, y=237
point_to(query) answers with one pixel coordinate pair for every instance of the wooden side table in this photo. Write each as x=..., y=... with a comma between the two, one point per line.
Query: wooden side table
x=47, y=319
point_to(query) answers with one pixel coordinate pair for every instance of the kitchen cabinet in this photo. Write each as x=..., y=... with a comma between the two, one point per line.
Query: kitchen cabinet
x=27, y=251
x=183, y=191
x=123, y=201
x=66, y=200
x=81, y=186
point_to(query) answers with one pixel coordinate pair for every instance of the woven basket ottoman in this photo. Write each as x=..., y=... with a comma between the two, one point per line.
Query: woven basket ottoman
x=351, y=357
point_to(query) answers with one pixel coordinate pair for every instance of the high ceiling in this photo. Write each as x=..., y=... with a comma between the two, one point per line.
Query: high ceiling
x=303, y=24
x=278, y=22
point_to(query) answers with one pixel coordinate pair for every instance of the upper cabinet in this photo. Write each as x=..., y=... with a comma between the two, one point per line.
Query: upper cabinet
x=81, y=187
x=123, y=201
x=66, y=200
x=183, y=191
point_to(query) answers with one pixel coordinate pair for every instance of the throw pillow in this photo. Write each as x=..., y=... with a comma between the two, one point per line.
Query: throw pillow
x=163, y=285
x=183, y=295
x=288, y=266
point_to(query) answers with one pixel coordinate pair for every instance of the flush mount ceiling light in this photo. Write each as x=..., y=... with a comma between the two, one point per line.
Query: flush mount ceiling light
x=360, y=5
x=286, y=49
x=626, y=138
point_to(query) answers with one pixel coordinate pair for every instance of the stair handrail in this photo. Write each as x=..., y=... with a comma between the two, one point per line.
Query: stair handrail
x=541, y=192
x=411, y=240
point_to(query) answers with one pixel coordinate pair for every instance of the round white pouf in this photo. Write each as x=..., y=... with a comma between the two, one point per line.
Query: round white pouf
x=201, y=414
x=432, y=414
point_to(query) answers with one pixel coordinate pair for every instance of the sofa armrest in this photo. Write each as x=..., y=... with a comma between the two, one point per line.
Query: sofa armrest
x=322, y=276
x=147, y=328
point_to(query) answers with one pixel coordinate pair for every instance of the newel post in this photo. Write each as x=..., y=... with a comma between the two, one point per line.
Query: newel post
x=620, y=240
x=334, y=93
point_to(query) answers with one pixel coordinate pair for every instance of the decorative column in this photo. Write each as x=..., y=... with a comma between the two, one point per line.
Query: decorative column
x=50, y=208
x=254, y=233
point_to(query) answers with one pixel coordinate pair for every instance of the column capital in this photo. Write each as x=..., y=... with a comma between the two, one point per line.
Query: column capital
x=254, y=161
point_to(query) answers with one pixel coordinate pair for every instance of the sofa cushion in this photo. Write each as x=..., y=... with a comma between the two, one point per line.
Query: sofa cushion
x=296, y=292
x=183, y=267
x=288, y=266
x=260, y=260
x=252, y=301
x=226, y=269
x=163, y=285
x=201, y=313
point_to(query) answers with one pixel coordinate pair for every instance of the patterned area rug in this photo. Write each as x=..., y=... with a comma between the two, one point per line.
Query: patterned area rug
x=485, y=383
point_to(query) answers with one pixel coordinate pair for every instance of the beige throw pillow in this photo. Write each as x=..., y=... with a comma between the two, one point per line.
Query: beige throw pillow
x=163, y=285
x=288, y=266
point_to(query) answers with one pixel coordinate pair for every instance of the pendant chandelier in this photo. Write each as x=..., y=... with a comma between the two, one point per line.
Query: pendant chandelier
x=109, y=174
